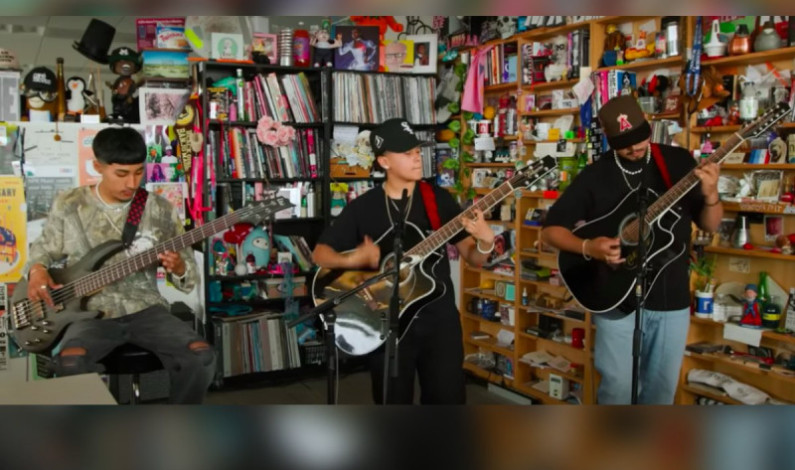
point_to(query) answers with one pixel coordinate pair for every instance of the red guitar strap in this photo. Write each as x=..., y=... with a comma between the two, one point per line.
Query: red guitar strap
x=658, y=158
x=429, y=200
x=134, y=216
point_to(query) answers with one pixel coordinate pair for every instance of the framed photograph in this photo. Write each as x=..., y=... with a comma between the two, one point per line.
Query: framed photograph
x=774, y=227
x=359, y=49
x=161, y=173
x=767, y=184
x=267, y=45
x=425, y=52
x=161, y=106
x=227, y=46
x=398, y=55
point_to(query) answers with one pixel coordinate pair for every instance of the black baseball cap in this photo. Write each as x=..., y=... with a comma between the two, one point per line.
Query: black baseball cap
x=393, y=135
x=40, y=79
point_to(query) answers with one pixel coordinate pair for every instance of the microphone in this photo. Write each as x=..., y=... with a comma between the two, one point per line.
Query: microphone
x=404, y=202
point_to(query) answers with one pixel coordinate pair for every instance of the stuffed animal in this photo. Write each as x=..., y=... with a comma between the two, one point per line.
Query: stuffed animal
x=323, y=48
x=75, y=86
x=257, y=243
x=124, y=62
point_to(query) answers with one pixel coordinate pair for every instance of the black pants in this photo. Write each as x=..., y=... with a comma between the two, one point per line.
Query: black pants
x=190, y=371
x=432, y=348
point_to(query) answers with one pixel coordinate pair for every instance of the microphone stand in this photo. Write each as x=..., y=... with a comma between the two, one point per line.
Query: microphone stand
x=329, y=320
x=640, y=279
x=391, y=345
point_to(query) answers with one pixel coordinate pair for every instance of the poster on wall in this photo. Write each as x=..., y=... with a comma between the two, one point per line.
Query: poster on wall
x=41, y=192
x=85, y=157
x=13, y=218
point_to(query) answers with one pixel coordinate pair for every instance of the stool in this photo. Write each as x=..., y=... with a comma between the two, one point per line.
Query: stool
x=129, y=359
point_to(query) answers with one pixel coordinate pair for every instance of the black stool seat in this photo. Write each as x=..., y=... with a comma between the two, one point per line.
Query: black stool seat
x=129, y=359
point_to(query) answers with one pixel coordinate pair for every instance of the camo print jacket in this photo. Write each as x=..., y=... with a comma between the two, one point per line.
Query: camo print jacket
x=79, y=221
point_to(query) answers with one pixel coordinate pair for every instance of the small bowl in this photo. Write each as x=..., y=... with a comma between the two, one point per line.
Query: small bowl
x=715, y=49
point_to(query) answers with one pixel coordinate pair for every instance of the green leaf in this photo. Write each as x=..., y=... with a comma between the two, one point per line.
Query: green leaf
x=468, y=115
x=454, y=143
x=467, y=157
x=454, y=126
x=471, y=193
x=451, y=164
x=467, y=172
x=454, y=107
x=460, y=86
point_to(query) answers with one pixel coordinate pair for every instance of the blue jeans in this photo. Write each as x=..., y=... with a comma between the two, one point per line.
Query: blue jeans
x=662, y=347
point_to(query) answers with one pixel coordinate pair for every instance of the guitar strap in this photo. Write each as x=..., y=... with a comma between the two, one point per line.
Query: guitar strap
x=429, y=200
x=134, y=216
x=658, y=158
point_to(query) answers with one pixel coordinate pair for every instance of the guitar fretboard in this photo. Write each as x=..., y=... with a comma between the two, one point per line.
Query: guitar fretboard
x=109, y=274
x=450, y=229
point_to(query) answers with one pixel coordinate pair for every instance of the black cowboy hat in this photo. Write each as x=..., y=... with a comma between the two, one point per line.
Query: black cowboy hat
x=96, y=41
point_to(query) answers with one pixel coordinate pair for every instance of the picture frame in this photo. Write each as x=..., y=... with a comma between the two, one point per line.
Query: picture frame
x=398, y=55
x=359, y=50
x=426, y=49
x=774, y=227
x=767, y=185
x=266, y=44
x=227, y=46
x=161, y=106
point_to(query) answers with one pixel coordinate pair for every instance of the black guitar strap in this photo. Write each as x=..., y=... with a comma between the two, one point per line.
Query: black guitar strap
x=134, y=216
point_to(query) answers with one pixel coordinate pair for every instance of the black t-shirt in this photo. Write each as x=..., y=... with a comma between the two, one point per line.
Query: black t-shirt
x=601, y=187
x=367, y=215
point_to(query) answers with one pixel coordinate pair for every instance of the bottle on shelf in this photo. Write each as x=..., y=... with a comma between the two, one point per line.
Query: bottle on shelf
x=60, y=88
x=310, y=202
x=764, y=293
x=525, y=298
x=301, y=46
x=239, y=85
x=787, y=321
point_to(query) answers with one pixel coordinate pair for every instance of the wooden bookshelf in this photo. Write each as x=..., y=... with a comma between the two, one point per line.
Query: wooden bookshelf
x=751, y=58
x=551, y=112
x=749, y=253
x=647, y=64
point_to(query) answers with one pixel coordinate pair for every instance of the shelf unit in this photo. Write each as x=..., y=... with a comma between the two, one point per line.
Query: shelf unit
x=524, y=375
x=778, y=266
x=308, y=227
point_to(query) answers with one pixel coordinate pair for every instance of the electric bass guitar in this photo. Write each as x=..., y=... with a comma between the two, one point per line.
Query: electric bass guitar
x=362, y=318
x=599, y=287
x=37, y=326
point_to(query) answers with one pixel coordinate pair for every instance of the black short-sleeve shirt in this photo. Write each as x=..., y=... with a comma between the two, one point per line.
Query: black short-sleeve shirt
x=601, y=187
x=367, y=216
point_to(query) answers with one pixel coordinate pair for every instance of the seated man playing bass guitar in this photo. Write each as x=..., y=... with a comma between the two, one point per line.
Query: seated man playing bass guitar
x=605, y=193
x=362, y=235
x=132, y=309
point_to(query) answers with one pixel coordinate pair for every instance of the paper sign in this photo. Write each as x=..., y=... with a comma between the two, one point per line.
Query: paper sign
x=749, y=336
x=13, y=218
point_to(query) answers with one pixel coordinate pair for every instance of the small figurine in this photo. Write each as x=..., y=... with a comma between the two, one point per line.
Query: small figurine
x=75, y=102
x=323, y=46
x=751, y=316
x=124, y=62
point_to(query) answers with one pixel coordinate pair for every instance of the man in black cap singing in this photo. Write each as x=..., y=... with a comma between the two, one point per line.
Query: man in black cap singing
x=596, y=192
x=432, y=346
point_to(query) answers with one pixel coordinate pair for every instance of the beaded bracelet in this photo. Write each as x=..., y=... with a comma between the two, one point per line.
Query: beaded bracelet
x=584, y=254
x=485, y=252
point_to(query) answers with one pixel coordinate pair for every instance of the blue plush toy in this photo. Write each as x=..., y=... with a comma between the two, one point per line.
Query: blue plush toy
x=258, y=243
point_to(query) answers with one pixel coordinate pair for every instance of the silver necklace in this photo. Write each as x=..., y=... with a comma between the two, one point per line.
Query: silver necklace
x=624, y=170
x=117, y=207
x=388, y=200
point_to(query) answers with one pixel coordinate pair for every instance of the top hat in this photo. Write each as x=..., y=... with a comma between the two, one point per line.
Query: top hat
x=96, y=40
x=623, y=122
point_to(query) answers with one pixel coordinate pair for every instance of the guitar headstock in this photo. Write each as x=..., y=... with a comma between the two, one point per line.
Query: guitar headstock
x=764, y=122
x=259, y=212
x=532, y=171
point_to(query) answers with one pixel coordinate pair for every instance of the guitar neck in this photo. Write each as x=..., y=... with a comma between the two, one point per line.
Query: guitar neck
x=689, y=181
x=110, y=274
x=450, y=229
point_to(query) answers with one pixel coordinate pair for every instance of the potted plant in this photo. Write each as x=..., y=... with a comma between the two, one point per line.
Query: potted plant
x=704, y=269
